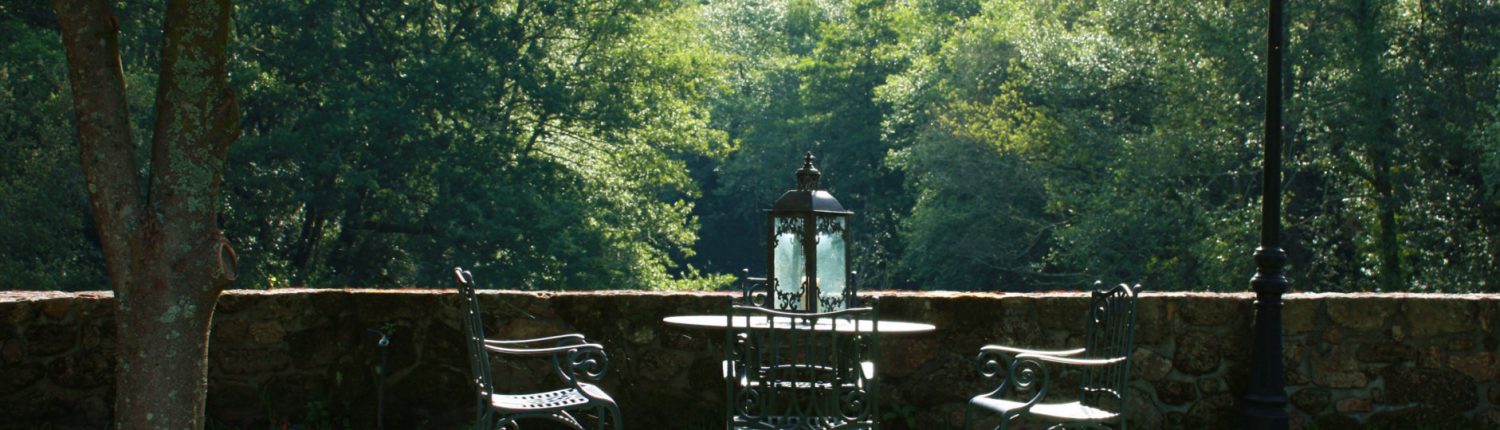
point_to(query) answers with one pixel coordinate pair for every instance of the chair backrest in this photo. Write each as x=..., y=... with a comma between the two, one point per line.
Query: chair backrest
x=479, y=361
x=1110, y=334
x=795, y=369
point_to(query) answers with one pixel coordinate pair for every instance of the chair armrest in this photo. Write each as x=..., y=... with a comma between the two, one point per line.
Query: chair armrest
x=586, y=361
x=1072, y=361
x=994, y=361
x=1017, y=351
x=542, y=351
x=565, y=337
x=1024, y=373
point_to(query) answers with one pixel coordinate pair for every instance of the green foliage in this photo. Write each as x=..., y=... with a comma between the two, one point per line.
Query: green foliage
x=539, y=145
x=1000, y=145
x=47, y=240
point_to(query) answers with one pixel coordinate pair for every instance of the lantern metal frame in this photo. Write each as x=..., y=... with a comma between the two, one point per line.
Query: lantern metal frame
x=808, y=212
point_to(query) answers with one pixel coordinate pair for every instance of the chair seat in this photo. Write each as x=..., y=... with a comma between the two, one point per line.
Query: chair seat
x=1070, y=411
x=559, y=399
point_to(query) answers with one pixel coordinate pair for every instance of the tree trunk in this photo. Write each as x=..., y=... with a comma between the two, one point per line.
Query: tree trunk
x=1377, y=132
x=166, y=259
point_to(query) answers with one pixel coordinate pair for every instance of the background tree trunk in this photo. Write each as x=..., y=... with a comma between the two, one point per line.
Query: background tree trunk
x=166, y=259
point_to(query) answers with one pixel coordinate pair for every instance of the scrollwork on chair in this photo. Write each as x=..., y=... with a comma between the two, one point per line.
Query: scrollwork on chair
x=855, y=404
x=573, y=358
x=793, y=370
x=581, y=364
x=1103, y=365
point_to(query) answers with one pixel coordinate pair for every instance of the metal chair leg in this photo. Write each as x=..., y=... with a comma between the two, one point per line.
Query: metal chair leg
x=614, y=412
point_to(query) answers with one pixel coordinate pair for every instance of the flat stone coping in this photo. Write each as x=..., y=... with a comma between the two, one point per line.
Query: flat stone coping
x=29, y=296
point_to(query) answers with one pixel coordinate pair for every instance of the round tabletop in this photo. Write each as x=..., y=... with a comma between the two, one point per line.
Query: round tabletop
x=843, y=325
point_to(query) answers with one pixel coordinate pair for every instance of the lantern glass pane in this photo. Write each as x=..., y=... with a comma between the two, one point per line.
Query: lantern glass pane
x=832, y=265
x=790, y=263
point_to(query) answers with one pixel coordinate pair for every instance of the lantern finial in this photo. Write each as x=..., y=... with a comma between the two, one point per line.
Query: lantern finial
x=807, y=177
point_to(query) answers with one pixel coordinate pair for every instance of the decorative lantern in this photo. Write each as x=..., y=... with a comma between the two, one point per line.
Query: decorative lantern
x=807, y=252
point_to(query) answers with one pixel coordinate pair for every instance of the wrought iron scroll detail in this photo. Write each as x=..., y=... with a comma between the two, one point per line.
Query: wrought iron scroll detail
x=833, y=302
x=788, y=225
x=830, y=225
x=788, y=299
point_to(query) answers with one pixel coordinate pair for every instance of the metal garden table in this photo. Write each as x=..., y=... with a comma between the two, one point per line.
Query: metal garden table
x=800, y=370
x=780, y=323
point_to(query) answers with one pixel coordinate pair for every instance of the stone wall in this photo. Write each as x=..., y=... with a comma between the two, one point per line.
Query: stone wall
x=304, y=357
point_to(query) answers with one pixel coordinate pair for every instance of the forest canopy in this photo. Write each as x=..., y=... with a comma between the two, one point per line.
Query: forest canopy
x=1005, y=145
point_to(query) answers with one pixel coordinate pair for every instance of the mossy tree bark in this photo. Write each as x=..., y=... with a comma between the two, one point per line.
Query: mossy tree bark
x=167, y=260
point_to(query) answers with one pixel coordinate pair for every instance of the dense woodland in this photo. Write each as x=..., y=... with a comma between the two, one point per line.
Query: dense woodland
x=984, y=145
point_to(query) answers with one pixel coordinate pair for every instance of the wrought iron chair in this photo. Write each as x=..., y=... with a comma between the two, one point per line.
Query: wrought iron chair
x=801, y=371
x=573, y=358
x=1103, y=363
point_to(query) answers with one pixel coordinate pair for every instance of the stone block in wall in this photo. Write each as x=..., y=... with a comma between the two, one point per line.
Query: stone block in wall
x=1446, y=389
x=1431, y=316
x=1419, y=417
x=1490, y=417
x=1061, y=313
x=1489, y=315
x=1213, y=311
x=1299, y=316
x=1148, y=365
x=660, y=367
x=1198, y=352
x=57, y=309
x=12, y=352
x=1482, y=366
x=1337, y=422
x=439, y=344
x=1151, y=325
x=20, y=377
x=1212, y=412
x=46, y=410
x=376, y=309
x=1360, y=313
x=950, y=378
x=900, y=356
x=429, y=394
x=1358, y=404
x=690, y=340
x=50, y=339
x=16, y=314
x=1295, y=377
x=94, y=309
x=1176, y=393
x=250, y=361
x=232, y=401
x=1311, y=400
x=228, y=331
x=266, y=332
x=82, y=369
x=98, y=334
x=1337, y=367
x=1385, y=352
x=315, y=347
x=1143, y=412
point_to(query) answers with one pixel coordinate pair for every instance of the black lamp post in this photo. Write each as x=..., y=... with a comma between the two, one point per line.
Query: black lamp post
x=1265, y=403
x=807, y=247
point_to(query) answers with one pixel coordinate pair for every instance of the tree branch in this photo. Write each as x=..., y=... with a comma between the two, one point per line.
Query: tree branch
x=90, y=35
x=197, y=118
